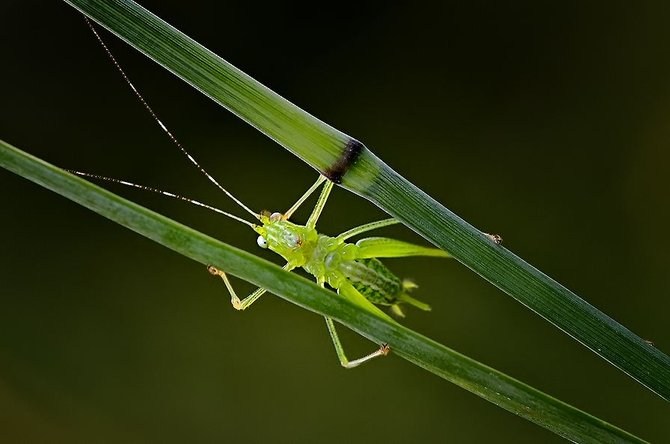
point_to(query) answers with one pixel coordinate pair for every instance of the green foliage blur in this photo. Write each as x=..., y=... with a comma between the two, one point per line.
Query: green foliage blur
x=547, y=123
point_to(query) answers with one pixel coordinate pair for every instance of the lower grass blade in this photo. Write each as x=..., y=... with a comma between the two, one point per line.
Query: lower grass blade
x=478, y=378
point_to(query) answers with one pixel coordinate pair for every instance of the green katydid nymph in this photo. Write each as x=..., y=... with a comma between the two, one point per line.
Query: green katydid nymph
x=353, y=270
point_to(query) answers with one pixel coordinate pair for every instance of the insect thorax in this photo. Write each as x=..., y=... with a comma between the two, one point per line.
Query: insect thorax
x=331, y=260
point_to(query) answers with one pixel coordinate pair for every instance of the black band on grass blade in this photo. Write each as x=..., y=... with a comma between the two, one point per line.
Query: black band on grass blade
x=350, y=155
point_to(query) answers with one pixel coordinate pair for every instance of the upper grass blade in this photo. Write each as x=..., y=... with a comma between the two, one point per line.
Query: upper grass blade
x=347, y=161
x=484, y=381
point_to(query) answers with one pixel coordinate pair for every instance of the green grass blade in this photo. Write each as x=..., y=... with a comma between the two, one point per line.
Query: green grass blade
x=484, y=381
x=327, y=149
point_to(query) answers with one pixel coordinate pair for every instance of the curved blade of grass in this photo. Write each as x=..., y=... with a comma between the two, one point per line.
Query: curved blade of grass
x=484, y=381
x=345, y=160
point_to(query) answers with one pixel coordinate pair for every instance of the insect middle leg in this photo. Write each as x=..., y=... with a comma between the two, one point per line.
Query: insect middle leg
x=237, y=303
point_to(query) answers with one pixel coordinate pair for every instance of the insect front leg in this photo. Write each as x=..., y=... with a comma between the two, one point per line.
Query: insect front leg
x=237, y=303
x=303, y=198
x=318, y=208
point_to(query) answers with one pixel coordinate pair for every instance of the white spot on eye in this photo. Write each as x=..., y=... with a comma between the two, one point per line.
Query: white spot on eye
x=262, y=242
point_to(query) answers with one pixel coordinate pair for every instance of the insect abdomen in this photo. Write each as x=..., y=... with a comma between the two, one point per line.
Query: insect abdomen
x=373, y=280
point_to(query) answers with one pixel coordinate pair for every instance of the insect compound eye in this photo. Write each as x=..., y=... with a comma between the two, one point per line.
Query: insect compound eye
x=274, y=217
x=262, y=242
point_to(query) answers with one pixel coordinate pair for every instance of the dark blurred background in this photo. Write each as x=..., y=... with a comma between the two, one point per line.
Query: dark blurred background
x=545, y=122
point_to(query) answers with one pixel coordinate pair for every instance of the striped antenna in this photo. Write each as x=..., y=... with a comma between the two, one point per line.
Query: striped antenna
x=163, y=127
x=161, y=192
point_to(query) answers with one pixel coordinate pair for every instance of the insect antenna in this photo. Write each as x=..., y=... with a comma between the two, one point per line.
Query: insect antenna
x=163, y=127
x=161, y=192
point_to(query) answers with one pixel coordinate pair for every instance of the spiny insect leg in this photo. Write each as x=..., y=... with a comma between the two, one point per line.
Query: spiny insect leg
x=237, y=303
x=318, y=208
x=303, y=198
x=383, y=350
x=366, y=227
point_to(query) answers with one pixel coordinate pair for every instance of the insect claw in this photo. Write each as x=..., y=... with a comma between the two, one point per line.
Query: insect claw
x=213, y=270
x=384, y=349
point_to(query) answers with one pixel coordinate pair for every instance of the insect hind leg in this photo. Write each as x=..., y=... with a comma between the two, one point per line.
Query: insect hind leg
x=383, y=349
